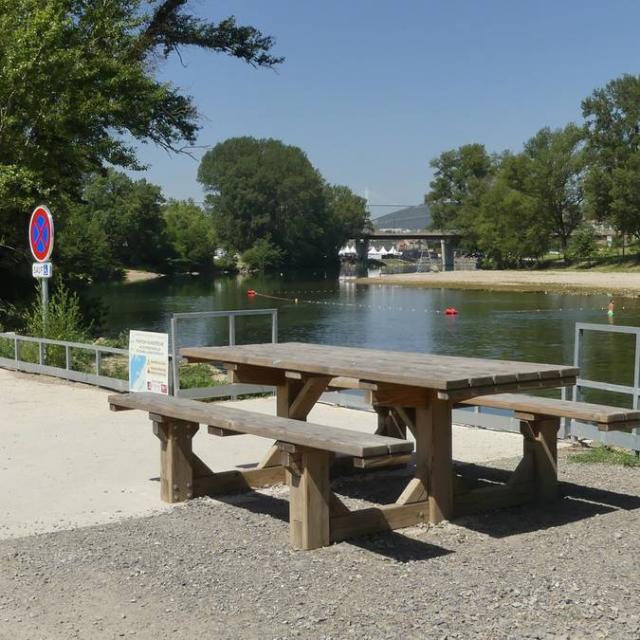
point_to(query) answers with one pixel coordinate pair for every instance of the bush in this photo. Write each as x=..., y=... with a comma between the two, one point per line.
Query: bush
x=263, y=256
x=64, y=322
x=583, y=244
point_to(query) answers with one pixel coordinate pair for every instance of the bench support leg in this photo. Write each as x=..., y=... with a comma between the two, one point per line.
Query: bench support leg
x=310, y=497
x=541, y=442
x=176, y=458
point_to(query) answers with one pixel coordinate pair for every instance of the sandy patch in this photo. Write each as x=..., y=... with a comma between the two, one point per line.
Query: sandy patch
x=623, y=284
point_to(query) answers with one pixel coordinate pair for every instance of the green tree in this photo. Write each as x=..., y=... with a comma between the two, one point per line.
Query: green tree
x=583, y=243
x=346, y=212
x=263, y=189
x=550, y=170
x=612, y=186
x=84, y=253
x=508, y=227
x=263, y=256
x=78, y=84
x=460, y=177
x=191, y=235
x=131, y=213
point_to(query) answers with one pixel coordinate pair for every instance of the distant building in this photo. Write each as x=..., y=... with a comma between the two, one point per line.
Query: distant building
x=409, y=219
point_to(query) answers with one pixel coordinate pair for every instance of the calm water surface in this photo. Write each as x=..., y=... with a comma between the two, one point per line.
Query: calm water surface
x=509, y=325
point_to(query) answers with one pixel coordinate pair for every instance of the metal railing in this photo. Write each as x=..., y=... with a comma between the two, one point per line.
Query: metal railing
x=584, y=430
x=89, y=369
x=224, y=390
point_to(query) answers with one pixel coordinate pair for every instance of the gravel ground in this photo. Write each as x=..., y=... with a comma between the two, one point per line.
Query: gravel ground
x=224, y=570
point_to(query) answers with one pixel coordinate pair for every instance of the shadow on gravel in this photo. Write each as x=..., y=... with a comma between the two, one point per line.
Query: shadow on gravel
x=394, y=545
x=390, y=544
x=577, y=502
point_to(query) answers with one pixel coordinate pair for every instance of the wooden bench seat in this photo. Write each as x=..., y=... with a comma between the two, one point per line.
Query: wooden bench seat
x=606, y=418
x=305, y=450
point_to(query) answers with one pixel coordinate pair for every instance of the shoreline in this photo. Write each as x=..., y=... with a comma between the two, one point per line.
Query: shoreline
x=570, y=282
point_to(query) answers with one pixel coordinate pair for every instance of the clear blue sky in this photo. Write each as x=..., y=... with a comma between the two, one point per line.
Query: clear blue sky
x=373, y=90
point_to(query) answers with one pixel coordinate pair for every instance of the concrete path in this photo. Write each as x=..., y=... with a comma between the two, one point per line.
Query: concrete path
x=66, y=461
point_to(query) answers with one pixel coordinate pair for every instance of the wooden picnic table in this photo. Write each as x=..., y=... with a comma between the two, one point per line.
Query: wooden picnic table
x=418, y=391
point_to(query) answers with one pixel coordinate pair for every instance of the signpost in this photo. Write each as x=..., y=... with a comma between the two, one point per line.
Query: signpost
x=41, y=245
x=149, y=362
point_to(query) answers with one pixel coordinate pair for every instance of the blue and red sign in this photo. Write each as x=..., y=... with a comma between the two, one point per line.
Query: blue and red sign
x=41, y=233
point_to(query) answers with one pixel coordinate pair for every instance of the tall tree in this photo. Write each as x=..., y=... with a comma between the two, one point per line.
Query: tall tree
x=612, y=117
x=460, y=177
x=264, y=190
x=191, y=234
x=77, y=84
x=347, y=213
x=131, y=214
x=507, y=226
x=550, y=170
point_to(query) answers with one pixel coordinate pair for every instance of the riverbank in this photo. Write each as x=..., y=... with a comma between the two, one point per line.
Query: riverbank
x=565, y=281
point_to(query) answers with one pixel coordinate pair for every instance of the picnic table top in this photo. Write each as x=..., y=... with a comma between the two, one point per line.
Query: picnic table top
x=429, y=371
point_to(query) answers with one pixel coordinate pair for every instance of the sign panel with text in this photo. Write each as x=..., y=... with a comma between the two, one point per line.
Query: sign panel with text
x=149, y=362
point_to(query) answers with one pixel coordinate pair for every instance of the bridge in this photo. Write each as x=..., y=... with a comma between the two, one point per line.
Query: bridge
x=447, y=240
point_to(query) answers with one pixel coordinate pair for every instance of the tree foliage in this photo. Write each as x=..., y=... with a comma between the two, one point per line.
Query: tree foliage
x=507, y=226
x=77, y=85
x=551, y=173
x=191, y=235
x=263, y=256
x=612, y=117
x=511, y=205
x=460, y=177
x=263, y=189
x=131, y=213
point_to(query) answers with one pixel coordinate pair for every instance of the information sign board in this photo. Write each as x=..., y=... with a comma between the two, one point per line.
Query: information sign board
x=149, y=362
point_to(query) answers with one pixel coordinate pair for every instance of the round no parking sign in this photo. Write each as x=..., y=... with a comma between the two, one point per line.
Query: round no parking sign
x=41, y=233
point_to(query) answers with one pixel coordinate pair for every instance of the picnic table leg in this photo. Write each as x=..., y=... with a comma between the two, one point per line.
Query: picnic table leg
x=434, y=457
x=176, y=458
x=541, y=441
x=434, y=476
x=309, y=498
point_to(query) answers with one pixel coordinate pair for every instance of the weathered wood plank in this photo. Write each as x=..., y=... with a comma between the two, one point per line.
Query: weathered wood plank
x=383, y=518
x=222, y=433
x=585, y=411
x=541, y=443
x=237, y=480
x=315, y=436
x=379, y=462
x=435, y=424
x=176, y=459
x=409, y=369
x=309, y=500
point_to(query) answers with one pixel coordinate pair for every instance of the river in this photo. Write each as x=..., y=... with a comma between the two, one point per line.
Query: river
x=510, y=325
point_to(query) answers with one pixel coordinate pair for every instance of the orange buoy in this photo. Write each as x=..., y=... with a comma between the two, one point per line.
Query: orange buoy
x=450, y=311
x=251, y=293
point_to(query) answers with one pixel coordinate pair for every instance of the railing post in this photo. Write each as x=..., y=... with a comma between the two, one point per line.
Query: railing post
x=175, y=371
x=274, y=326
x=577, y=359
x=67, y=358
x=40, y=353
x=636, y=372
x=98, y=359
x=16, y=353
x=232, y=330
